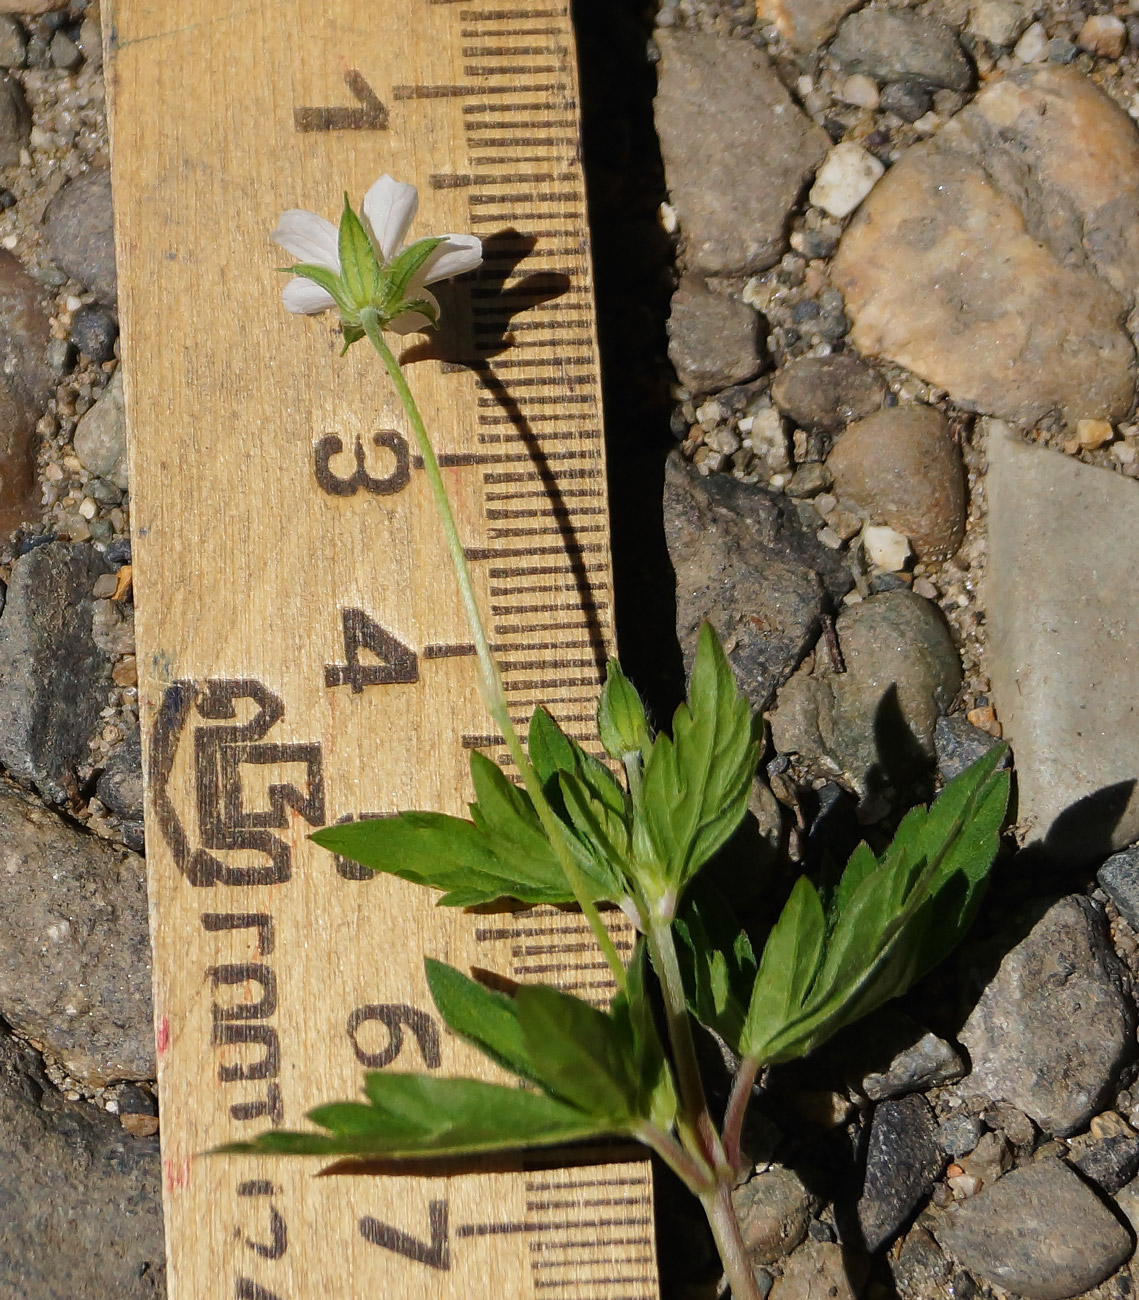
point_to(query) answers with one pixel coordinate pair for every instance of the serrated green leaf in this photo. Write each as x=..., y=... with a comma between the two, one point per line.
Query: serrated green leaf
x=417, y=1115
x=599, y=825
x=359, y=267
x=698, y=783
x=717, y=963
x=401, y=270
x=579, y=1053
x=480, y=1015
x=621, y=721
x=550, y=749
x=449, y=854
x=892, y=920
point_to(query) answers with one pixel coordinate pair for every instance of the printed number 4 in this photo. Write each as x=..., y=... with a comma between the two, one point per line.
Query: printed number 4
x=396, y=663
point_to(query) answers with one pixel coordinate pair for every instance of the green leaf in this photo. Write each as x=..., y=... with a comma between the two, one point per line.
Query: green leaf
x=416, y=1115
x=359, y=267
x=621, y=720
x=578, y=1052
x=632, y=1013
x=717, y=963
x=481, y=1016
x=550, y=749
x=401, y=270
x=446, y=853
x=890, y=921
x=697, y=785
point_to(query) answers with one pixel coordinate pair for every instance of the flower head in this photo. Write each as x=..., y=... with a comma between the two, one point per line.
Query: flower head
x=362, y=265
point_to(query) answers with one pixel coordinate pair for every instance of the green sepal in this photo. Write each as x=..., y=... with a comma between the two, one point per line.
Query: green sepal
x=329, y=281
x=420, y=305
x=621, y=721
x=351, y=334
x=411, y=1116
x=359, y=266
x=401, y=271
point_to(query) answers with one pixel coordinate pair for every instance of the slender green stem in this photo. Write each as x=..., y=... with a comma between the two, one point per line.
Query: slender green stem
x=733, y=1253
x=693, y=1103
x=494, y=697
x=692, y=1171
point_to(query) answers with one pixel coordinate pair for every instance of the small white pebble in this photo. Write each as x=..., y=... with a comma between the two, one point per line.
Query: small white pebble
x=804, y=85
x=829, y=538
x=999, y=22
x=72, y=303
x=923, y=587
x=87, y=508
x=1124, y=452
x=852, y=598
x=847, y=176
x=708, y=412
x=928, y=123
x=669, y=219
x=885, y=548
x=964, y=1186
x=10, y=241
x=1033, y=45
x=860, y=90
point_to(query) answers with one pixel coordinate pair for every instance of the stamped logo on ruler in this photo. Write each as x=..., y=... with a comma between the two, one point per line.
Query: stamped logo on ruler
x=303, y=658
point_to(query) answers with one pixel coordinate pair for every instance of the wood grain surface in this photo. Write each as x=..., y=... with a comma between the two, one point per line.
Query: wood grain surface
x=302, y=652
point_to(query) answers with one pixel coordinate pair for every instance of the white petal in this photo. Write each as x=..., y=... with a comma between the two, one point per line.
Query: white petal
x=457, y=254
x=410, y=321
x=389, y=208
x=306, y=298
x=309, y=237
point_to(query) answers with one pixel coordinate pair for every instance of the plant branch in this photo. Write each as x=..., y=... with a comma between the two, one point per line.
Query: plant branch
x=490, y=685
x=733, y=1253
x=694, y=1173
x=737, y=1109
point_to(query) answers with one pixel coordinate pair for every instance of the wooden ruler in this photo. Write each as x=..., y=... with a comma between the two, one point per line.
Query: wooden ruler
x=302, y=653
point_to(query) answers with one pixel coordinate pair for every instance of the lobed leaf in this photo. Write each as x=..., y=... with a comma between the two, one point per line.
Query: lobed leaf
x=717, y=963
x=480, y=1015
x=697, y=784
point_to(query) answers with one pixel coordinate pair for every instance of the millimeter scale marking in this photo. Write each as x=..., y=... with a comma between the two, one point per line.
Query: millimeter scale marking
x=302, y=653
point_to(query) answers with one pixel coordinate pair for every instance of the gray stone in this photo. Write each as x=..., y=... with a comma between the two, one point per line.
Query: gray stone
x=1119, y=879
x=120, y=786
x=744, y=563
x=827, y=392
x=908, y=100
x=15, y=121
x=903, y=1160
x=999, y=22
x=1039, y=1232
x=774, y=1209
x=920, y=1270
x=1062, y=606
x=54, y=679
x=26, y=382
x=1109, y=1162
x=1042, y=254
x=901, y=465
x=712, y=338
x=101, y=435
x=80, y=1200
x=13, y=43
x=872, y=723
x=65, y=53
x=732, y=198
x=94, y=331
x=908, y=1057
x=959, y=1134
x=79, y=223
x=899, y=45
x=1053, y=1028
x=959, y=745
x=804, y=24
x=74, y=949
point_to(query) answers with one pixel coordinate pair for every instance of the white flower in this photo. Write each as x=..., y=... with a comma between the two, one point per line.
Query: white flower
x=388, y=211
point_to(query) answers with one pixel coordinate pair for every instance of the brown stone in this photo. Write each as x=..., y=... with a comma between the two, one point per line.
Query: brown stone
x=994, y=260
x=712, y=338
x=804, y=24
x=737, y=150
x=902, y=466
x=25, y=384
x=826, y=392
x=31, y=6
